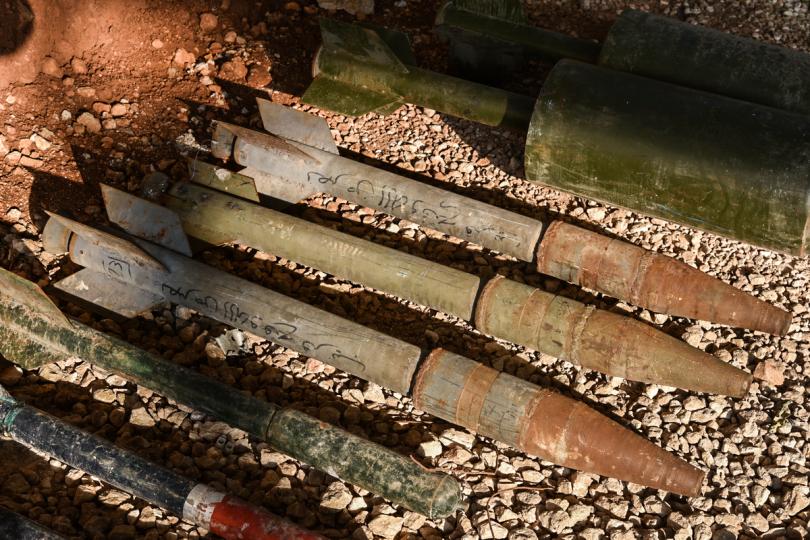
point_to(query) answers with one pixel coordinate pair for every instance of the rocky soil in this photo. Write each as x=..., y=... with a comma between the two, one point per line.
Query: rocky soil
x=111, y=113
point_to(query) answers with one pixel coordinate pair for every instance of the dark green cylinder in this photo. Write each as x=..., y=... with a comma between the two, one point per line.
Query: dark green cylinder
x=708, y=59
x=726, y=166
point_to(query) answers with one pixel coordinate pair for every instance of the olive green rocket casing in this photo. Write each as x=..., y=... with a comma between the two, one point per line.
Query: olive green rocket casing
x=33, y=332
x=719, y=164
x=492, y=38
x=726, y=166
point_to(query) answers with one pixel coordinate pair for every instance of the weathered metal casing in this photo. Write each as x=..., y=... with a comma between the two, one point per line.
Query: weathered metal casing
x=654, y=281
x=708, y=59
x=311, y=331
x=726, y=166
x=600, y=340
x=31, y=338
x=294, y=171
x=356, y=72
x=217, y=218
x=13, y=526
x=492, y=38
x=546, y=424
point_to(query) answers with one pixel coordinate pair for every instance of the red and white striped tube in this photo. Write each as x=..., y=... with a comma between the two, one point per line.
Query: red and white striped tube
x=234, y=519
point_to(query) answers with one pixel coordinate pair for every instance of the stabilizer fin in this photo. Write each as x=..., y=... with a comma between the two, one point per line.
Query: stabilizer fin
x=361, y=43
x=297, y=126
x=98, y=237
x=399, y=42
x=145, y=219
x=507, y=10
x=248, y=144
x=223, y=180
x=326, y=93
x=16, y=291
x=95, y=288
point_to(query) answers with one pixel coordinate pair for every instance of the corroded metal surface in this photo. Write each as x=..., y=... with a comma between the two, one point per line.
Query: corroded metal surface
x=30, y=338
x=252, y=308
x=213, y=217
x=13, y=526
x=648, y=279
x=546, y=424
x=708, y=59
x=295, y=433
x=596, y=339
x=289, y=177
x=723, y=165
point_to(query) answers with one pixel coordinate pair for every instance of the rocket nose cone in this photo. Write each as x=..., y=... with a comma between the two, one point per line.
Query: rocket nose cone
x=624, y=347
x=572, y=434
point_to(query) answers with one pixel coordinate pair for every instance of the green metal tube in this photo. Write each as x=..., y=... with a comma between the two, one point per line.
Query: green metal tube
x=708, y=59
x=217, y=218
x=726, y=166
x=457, y=97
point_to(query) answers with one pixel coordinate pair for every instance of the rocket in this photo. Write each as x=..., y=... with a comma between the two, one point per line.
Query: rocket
x=593, y=338
x=298, y=159
x=14, y=526
x=200, y=504
x=489, y=38
x=497, y=405
x=727, y=166
x=34, y=332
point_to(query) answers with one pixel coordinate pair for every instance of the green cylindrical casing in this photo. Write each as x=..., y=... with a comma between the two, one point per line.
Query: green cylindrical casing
x=449, y=95
x=726, y=166
x=318, y=443
x=215, y=217
x=708, y=59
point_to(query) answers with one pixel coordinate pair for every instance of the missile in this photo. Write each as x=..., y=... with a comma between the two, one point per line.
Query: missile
x=703, y=160
x=34, y=332
x=14, y=526
x=577, y=437
x=298, y=159
x=202, y=505
x=503, y=308
x=489, y=38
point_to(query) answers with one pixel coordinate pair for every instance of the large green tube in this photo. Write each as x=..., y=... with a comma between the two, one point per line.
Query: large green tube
x=726, y=166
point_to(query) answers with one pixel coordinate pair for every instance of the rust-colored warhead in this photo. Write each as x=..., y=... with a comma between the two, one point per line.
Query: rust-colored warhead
x=546, y=424
x=597, y=339
x=651, y=280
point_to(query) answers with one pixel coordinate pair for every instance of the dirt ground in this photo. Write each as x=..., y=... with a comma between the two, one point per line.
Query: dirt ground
x=108, y=97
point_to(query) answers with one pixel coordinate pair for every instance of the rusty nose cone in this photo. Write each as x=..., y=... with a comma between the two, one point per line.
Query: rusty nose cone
x=651, y=280
x=544, y=423
x=574, y=435
x=596, y=339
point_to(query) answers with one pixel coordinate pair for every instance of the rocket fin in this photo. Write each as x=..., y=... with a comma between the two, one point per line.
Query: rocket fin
x=364, y=45
x=98, y=237
x=399, y=42
x=507, y=10
x=95, y=288
x=145, y=219
x=220, y=179
x=18, y=291
x=297, y=126
x=346, y=99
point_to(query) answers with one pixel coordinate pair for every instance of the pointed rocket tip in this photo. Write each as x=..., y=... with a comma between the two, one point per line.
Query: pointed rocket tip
x=572, y=434
x=651, y=280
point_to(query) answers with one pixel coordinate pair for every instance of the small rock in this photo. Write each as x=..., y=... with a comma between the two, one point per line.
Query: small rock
x=66, y=116
x=336, y=497
x=374, y=393
x=28, y=161
x=90, y=122
x=770, y=371
x=13, y=157
x=141, y=417
x=78, y=66
x=51, y=68
x=86, y=92
x=13, y=214
x=183, y=58
x=208, y=22
x=119, y=109
x=522, y=533
x=797, y=500
x=386, y=526
x=234, y=69
x=429, y=449
x=157, y=44
x=596, y=213
x=259, y=76
x=40, y=142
